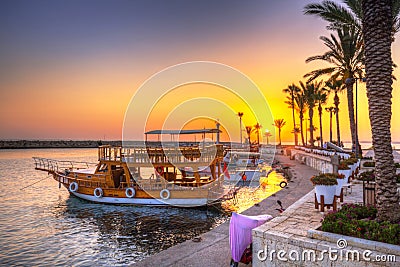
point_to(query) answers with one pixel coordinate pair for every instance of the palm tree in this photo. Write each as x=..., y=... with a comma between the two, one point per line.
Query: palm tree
x=330, y=110
x=339, y=16
x=378, y=62
x=248, y=131
x=279, y=123
x=268, y=135
x=301, y=108
x=321, y=97
x=314, y=129
x=240, y=114
x=292, y=90
x=310, y=91
x=257, y=128
x=346, y=57
x=336, y=86
x=318, y=139
x=296, y=132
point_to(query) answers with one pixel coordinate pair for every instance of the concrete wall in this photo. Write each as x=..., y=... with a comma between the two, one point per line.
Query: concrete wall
x=320, y=163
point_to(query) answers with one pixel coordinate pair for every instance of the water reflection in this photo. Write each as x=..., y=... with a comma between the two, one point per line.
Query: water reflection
x=130, y=233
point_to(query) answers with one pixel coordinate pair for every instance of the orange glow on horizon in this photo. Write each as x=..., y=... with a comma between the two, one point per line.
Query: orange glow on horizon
x=84, y=95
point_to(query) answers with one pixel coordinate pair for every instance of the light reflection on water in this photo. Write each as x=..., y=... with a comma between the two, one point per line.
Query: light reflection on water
x=43, y=225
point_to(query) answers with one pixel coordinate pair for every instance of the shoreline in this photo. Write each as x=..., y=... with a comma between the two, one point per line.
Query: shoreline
x=36, y=144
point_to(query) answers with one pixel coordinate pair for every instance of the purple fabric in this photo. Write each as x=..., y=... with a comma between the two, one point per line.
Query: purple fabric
x=240, y=232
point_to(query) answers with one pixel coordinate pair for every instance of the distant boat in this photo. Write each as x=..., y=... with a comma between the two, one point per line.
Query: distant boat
x=239, y=158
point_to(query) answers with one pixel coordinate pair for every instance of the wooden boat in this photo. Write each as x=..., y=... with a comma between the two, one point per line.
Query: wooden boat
x=242, y=158
x=143, y=176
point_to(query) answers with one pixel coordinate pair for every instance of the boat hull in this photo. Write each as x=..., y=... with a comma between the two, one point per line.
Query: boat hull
x=145, y=201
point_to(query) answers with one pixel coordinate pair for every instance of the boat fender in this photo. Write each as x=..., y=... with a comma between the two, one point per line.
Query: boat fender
x=73, y=187
x=165, y=194
x=283, y=184
x=98, y=192
x=160, y=170
x=130, y=192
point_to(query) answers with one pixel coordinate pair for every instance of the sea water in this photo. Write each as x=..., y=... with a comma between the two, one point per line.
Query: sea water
x=43, y=225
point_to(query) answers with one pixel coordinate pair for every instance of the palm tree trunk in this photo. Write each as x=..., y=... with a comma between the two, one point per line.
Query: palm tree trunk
x=377, y=21
x=280, y=142
x=301, y=129
x=330, y=126
x=311, y=114
x=320, y=124
x=336, y=102
x=294, y=121
x=350, y=104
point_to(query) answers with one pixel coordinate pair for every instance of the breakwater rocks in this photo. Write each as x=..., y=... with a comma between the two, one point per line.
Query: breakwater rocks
x=22, y=144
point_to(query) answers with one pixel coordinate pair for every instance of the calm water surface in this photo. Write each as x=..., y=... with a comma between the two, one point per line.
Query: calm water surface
x=42, y=225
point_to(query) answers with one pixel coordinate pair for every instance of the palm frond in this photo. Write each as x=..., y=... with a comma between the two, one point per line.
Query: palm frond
x=318, y=73
x=333, y=13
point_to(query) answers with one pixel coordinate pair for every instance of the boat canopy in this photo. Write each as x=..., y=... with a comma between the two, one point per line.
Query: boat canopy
x=179, y=132
x=199, y=131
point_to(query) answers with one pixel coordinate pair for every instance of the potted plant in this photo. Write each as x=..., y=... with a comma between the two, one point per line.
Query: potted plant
x=369, y=187
x=325, y=185
x=352, y=163
x=368, y=165
x=345, y=170
x=368, y=176
x=341, y=180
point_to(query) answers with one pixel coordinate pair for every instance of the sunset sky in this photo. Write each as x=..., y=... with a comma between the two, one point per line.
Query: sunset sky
x=69, y=69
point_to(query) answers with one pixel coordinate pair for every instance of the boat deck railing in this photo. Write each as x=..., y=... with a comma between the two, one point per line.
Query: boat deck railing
x=99, y=180
x=166, y=155
x=52, y=165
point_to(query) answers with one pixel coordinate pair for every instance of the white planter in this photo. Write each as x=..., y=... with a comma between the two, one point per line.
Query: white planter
x=346, y=173
x=328, y=191
x=339, y=186
x=353, y=167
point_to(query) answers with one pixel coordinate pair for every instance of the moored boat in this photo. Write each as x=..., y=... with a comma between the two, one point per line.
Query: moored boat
x=144, y=175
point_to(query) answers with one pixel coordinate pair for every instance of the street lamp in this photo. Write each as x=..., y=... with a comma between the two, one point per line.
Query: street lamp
x=240, y=114
x=349, y=81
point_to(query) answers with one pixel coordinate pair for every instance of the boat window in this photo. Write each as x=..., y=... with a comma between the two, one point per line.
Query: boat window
x=103, y=168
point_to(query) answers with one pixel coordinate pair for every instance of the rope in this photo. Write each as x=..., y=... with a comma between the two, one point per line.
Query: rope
x=35, y=182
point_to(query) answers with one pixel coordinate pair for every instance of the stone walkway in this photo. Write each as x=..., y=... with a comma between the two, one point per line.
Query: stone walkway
x=214, y=250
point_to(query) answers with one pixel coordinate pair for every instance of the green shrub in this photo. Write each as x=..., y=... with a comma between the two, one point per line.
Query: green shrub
x=398, y=178
x=351, y=161
x=367, y=176
x=325, y=179
x=369, y=164
x=397, y=165
x=359, y=221
x=343, y=166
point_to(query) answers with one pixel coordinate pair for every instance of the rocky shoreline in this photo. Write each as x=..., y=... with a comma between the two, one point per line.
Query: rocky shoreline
x=24, y=144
